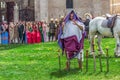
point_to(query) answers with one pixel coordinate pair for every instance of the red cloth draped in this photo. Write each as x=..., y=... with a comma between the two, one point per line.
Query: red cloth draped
x=72, y=45
x=29, y=37
x=34, y=37
x=38, y=37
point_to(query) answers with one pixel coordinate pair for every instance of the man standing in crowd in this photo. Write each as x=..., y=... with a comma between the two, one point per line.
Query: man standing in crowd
x=1, y=30
x=4, y=35
x=16, y=34
x=56, y=29
x=21, y=31
x=51, y=30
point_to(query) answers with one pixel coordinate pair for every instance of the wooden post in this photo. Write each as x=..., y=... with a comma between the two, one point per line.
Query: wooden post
x=80, y=61
x=94, y=58
x=100, y=62
x=68, y=64
x=107, y=59
x=86, y=60
x=59, y=61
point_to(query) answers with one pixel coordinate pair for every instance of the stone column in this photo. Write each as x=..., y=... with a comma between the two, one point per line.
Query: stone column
x=41, y=10
x=37, y=10
x=16, y=13
x=44, y=10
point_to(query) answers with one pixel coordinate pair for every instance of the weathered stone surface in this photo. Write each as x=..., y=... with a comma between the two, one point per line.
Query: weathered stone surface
x=46, y=9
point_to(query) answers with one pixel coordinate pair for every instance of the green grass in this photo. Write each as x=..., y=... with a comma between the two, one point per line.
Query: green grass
x=40, y=62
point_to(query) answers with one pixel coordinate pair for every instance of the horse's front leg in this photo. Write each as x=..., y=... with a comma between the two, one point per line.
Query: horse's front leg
x=117, y=45
x=99, y=44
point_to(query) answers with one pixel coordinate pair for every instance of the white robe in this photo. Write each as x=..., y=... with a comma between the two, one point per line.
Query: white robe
x=71, y=29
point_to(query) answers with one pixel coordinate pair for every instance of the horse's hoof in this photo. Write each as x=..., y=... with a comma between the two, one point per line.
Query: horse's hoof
x=117, y=55
x=90, y=55
x=101, y=52
x=67, y=69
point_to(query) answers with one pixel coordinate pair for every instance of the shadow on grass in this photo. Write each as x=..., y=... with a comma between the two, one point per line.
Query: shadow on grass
x=63, y=73
x=10, y=46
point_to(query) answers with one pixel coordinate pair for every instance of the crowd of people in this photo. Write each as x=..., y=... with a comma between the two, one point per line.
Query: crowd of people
x=28, y=32
x=31, y=32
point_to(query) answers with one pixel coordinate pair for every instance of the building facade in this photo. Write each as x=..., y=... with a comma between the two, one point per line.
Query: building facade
x=36, y=10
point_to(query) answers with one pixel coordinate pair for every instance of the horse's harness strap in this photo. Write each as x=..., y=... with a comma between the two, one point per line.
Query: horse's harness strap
x=113, y=23
x=112, y=31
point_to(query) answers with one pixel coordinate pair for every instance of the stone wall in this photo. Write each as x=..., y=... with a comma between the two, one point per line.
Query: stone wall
x=95, y=7
x=46, y=9
x=56, y=8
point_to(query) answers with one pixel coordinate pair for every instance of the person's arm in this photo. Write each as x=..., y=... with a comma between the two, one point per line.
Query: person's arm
x=63, y=24
x=80, y=26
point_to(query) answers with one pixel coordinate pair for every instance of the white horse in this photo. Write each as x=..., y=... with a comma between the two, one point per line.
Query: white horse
x=96, y=28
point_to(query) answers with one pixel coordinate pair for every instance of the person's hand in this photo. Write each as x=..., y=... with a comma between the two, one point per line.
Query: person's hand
x=74, y=22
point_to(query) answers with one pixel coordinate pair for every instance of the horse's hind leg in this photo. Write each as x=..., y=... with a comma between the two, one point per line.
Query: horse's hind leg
x=91, y=44
x=99, y=44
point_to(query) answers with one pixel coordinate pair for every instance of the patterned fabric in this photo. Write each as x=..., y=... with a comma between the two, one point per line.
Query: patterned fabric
x=4, y=38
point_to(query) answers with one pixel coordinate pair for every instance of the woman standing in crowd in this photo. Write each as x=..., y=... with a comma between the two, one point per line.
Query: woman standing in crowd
x=56, y=29
x=4, y=35
x=11, y=32
x=34, y=35
x=28, y=33
x=38, y=34
x=41, y=30
x=44, y=26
